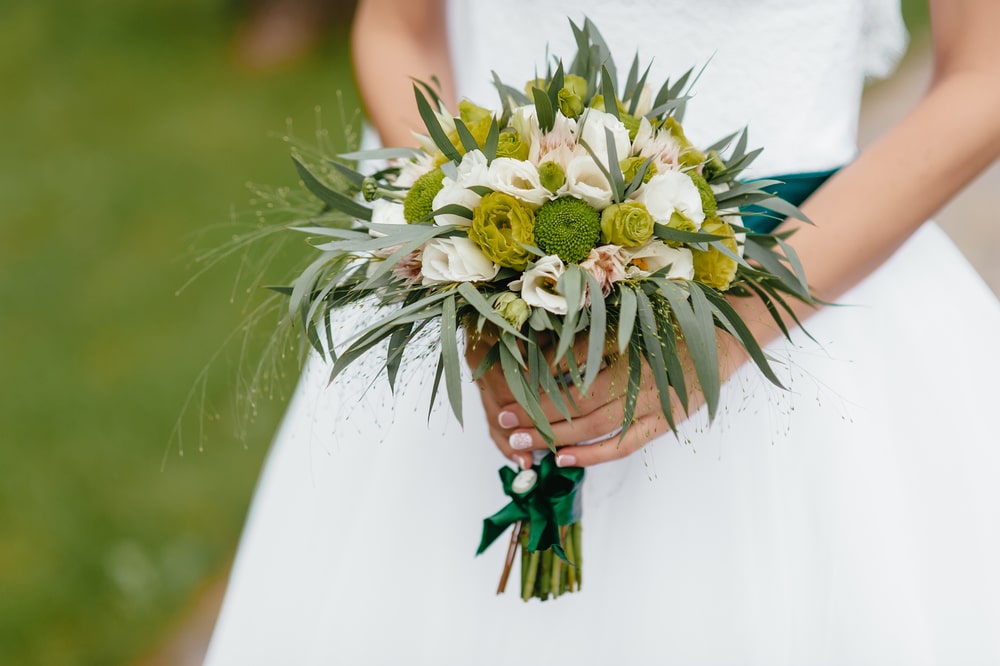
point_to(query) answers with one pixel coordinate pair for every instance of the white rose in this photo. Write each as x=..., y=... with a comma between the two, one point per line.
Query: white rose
x=472, y=170
x=453, y=193
x=656, y=255
x=594, y=123
x=385, y=211
x=585, y=180
x=518, y=179
x=671, y=191
x=538, y=285
x=455, y=259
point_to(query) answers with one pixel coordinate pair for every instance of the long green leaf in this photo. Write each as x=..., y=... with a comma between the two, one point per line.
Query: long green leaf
x=608, y=90
x=449, y=353
x=626, y=317
x=700, y=339
x=329, y=196
x=654, y=351
x=482, y=306
x=598, y=328
x=743, y=334
x=434, y=128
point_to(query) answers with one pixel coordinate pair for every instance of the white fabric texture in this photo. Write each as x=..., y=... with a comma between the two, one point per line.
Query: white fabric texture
x=852, y=520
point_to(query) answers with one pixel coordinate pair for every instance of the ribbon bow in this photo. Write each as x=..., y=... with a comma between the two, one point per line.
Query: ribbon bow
x=553, y=501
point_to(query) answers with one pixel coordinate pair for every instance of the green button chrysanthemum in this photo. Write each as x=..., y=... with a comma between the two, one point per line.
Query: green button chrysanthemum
x=419, y=200
x=567, y=227
x=501, y=226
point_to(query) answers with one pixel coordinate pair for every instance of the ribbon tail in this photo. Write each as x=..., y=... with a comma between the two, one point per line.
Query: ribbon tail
x=498, y=523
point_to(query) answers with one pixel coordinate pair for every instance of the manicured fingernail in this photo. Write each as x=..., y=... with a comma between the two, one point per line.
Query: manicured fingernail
x=565, y=460
x=520, y=441
x=523, y=461
x=507, y=419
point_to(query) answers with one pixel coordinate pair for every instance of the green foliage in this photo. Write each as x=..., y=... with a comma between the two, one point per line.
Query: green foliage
x=128, y=131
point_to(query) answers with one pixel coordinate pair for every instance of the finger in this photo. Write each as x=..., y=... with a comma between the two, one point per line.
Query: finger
x=610, y=385
x=522, y=459
x=596, y=426
x=643, y=431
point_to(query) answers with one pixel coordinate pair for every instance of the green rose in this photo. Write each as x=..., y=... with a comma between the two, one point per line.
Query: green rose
x=513, y=308
x=501, y=226
x=714, y=268
x=551, y=176
x=681, y=222
x=627, y=224
x=510, y=144
x=630, y=169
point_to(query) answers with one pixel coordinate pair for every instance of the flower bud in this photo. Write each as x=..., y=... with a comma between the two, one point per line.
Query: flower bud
x=552, y=176
x=513, y=308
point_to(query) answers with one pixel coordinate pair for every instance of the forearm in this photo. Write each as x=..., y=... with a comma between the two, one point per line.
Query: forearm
x=393, y=42
x=868, y=209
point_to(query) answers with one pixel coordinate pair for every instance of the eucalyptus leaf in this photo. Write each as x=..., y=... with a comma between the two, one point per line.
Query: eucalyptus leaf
x=450, y=355
x=437, y=133
x=329, y=196
x=598, y=329
x=626, y=317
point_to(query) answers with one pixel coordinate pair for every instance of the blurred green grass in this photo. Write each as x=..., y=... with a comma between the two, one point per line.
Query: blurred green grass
x=126, y=128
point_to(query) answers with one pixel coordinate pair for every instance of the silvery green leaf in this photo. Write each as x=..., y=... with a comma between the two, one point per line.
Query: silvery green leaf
x=492, y=141
x=483, y=307
x=626, y=317
x=330, y=196
x=608, y=90
x=382, y=154
x=598, y=329
x=700, y=339
x=465, y=136
x=434, y=128
x=663, y=232
x=654, y=354
x=449, y=352
x=571, y=286
x=771, y=262
x=739, y=330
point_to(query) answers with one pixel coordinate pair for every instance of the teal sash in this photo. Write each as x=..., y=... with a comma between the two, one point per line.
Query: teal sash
x=794, y=188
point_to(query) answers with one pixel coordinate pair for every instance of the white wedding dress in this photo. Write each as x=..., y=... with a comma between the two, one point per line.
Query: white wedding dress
x=852, y=520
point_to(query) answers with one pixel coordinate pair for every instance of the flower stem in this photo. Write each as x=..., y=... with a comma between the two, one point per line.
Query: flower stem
x=515, y=536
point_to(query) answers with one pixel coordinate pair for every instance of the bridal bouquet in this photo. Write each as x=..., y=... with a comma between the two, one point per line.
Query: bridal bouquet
x=576, y=214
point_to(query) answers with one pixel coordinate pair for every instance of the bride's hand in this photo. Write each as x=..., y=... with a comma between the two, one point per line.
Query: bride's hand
x=593, y=436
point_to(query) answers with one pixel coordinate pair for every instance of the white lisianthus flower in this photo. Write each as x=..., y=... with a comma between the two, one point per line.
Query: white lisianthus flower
x=518, y=179
x=385, y=211
x=471, y=171
x=585, y=180
x=594, y=124
x=455, y=259
x=538, y=285
x=453, y=193
x=656, y=255
x=671, y=191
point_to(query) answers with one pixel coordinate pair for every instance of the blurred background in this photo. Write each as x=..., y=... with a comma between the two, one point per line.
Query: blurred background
x=131, y=129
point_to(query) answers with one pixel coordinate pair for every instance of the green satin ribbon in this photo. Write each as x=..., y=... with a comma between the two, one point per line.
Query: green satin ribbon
x=553, y=502
x=794, y=188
